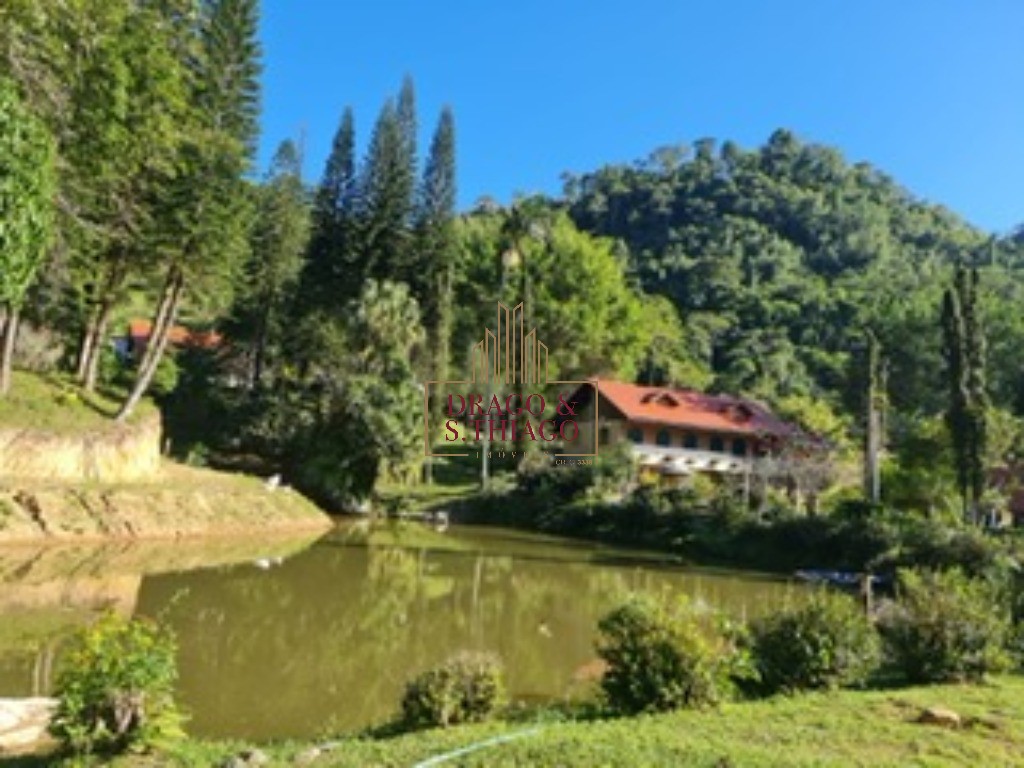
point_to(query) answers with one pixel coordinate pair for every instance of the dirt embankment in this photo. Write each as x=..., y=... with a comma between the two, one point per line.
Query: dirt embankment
x=179, y=502
x=108, y=480
x=112, y=453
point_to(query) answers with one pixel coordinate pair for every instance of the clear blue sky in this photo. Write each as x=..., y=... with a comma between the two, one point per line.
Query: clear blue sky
x=930, y=91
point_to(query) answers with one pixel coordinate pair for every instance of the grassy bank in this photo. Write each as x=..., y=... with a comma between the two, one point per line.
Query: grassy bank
x=847, y=728
x=52, y=403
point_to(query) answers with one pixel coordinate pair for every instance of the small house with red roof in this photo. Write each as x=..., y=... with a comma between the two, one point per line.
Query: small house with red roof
x=679, y=432
x=140, y=331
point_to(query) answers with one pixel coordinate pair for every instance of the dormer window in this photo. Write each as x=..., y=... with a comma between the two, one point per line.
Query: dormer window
x=659, y=398
x=738, y=412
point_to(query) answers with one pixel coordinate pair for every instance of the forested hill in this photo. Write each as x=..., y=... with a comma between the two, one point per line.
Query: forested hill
x=781, y=258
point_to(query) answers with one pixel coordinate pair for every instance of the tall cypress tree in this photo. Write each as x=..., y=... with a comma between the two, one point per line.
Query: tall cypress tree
x=328, y=279
x=976, y=385
x=964, y=349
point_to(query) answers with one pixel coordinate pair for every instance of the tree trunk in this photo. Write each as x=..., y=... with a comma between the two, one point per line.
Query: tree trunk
x=85, y=349
x=873, y=432
x=161, y=321
x=872, y=480
x=166, y=312
x=92, y=340
x=99, y=331
x=485, y=473
x=3, y=321
x=7, y=349
x=259, y=353
x=441, y=344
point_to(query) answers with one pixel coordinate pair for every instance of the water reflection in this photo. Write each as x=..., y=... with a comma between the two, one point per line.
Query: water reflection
x=47, y=591
x=325, y=640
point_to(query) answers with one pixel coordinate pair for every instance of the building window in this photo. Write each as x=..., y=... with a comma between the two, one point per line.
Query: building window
x=717, y=444
x=635, y=435
x=689, y=440
x=663, y=437
x=605, y=435
x=739, y=447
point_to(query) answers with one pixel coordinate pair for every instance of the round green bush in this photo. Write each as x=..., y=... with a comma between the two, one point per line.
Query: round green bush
x=664, y=655
x=946, y=627
x=115, y=688
x=826, y=642
x=468, y=687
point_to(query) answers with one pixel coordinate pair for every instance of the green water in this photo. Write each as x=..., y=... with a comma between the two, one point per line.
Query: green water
x=310, y=639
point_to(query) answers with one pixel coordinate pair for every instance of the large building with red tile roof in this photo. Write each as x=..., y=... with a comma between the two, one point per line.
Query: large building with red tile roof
x=679, y=432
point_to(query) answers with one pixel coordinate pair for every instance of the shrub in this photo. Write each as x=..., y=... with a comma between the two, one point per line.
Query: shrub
x=664, y=656
x=468, y=687
x=945, y=627
x=115, y=688
x=547, y=482
x=826, y=642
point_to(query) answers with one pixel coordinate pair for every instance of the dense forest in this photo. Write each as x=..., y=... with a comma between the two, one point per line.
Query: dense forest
x=128, y=130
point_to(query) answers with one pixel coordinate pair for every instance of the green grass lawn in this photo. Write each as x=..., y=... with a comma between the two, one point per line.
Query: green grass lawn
x=875, y=728
x=53, y=404
x=842, y=729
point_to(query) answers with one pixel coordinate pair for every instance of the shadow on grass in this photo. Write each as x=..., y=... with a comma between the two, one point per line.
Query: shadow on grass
x=29, y=761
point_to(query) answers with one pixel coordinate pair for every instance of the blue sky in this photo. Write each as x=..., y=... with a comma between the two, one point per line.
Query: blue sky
x=930, y=91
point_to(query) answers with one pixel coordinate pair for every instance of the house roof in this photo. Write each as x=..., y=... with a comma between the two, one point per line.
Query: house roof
x=690, y=409
x=141, y=330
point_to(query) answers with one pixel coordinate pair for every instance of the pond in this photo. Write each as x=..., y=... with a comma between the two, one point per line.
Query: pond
x=282, y=638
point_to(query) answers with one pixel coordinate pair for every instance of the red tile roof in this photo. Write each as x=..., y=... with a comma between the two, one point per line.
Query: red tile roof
x=696, y=410
x=141, y=330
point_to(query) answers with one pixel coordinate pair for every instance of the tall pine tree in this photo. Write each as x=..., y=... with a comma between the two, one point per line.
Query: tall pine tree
x=435, y=242
x=408, y=124
x=388, y=180
x=127, y=103
x=328, y=279
x=279, y=240
x=204, y=221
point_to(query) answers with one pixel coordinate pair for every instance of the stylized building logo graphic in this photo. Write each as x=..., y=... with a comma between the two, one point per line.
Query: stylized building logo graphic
x=509, y=364
x=509, y=355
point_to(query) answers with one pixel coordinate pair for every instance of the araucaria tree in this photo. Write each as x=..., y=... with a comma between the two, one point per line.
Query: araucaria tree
x=386, y=205
x=964, y=351
x=435, y=242
x=326, y=281
x=278, y=244
x=26, y=212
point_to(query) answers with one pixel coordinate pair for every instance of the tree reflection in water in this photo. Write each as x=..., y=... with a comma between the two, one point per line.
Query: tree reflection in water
x=325, y=640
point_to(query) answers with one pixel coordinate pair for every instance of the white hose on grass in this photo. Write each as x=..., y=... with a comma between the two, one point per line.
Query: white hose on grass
x=438, y=759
